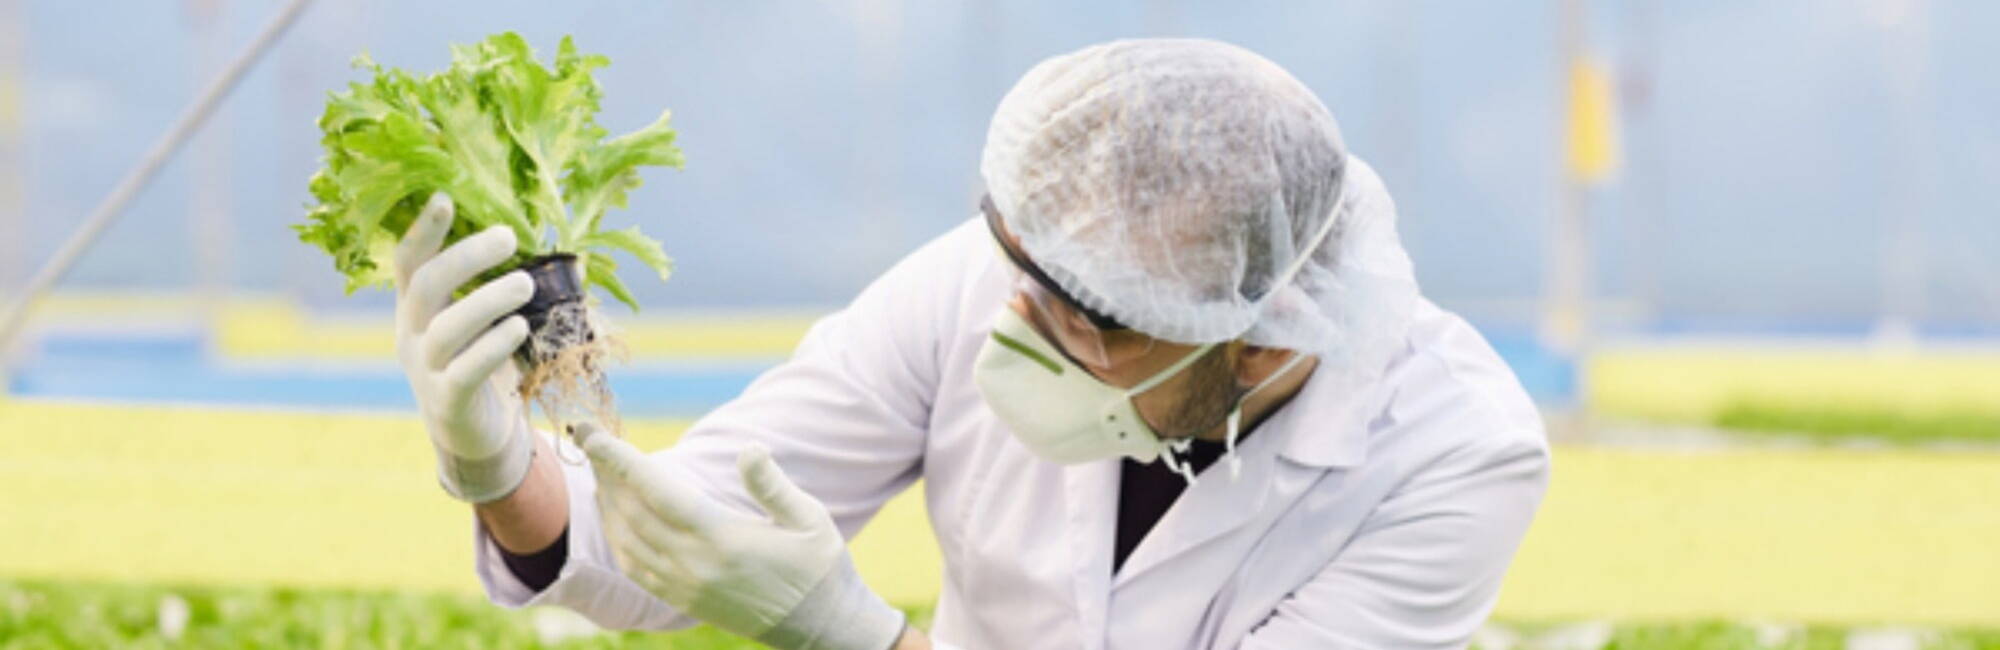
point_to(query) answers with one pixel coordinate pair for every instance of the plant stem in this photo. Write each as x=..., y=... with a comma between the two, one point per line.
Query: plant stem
x=554, y=193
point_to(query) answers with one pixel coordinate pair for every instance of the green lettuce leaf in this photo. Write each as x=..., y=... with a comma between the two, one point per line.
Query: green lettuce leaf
x=605, y=173
x=640, y=246
x=602, y=271
x=512, y=141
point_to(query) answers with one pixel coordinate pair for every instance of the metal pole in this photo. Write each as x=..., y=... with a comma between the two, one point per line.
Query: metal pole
x=142, y=175
x=879, y=29
x=13, y=206
x=1646, y=176
x=1566, y=280
x=208, y=206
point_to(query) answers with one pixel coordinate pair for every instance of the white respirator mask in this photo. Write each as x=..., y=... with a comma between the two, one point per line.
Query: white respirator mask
x=1065, y=415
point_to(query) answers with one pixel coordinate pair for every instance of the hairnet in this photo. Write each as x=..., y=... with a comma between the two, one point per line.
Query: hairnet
x=1168, y=182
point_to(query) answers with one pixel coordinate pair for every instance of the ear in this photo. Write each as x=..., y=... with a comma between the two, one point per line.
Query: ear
x=1255, y=362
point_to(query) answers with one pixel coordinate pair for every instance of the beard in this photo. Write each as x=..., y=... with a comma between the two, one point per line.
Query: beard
x=1210, y=394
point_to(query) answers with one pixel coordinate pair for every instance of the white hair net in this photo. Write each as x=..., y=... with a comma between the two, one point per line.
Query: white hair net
x=1166, y=183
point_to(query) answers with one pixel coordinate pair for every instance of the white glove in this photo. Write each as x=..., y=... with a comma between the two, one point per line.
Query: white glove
x=451, y=352
x=784, y=580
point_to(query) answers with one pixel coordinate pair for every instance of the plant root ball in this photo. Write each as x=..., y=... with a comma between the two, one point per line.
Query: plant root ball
x=566, y=359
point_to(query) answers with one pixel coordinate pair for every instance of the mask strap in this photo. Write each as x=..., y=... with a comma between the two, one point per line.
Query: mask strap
x=1229, y=442
x=1163, y=375
x=1236, y=414
x=1312, y=246
x=1174, y=464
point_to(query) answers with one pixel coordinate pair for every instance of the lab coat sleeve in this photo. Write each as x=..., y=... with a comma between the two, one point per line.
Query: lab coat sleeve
x=845, y=418
x=589, y=582
x=1425, y=568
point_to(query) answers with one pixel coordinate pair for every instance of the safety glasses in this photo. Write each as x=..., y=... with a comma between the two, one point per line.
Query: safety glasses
x=1087, y=336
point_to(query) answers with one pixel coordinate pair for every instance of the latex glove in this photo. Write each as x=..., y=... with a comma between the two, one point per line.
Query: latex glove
x=456, y=356
x=784, y=579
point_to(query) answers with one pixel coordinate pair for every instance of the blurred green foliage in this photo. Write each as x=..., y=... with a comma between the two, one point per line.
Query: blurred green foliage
x=1720, y=636
x=1717, y=635
x=1724, y=636
x=1835, y=391
x=51, y=614
x=1840, y=423
x=43, y=614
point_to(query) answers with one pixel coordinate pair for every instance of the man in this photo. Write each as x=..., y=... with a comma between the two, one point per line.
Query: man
x=1173, y=387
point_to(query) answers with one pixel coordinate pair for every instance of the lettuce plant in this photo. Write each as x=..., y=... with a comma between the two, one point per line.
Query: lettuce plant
x=512, y=141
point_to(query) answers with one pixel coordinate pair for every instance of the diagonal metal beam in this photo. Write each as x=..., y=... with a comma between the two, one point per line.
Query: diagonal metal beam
x=140, y=176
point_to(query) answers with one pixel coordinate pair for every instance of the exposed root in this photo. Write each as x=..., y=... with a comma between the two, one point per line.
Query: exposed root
x=565, y=376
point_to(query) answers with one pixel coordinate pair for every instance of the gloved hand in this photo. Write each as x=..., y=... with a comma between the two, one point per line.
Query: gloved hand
x=784, y=579
x=456, y=357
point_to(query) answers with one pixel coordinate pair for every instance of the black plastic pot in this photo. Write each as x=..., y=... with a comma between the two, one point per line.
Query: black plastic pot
x=558, y=281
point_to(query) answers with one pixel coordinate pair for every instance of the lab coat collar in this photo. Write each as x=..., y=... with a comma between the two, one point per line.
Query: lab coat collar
x=1212, y=507
x=1324, y=427
x=1327, y=424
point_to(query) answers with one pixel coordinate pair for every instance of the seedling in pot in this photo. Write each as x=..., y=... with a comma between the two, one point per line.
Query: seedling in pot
x=564, y=354
x=513, y=143
x=554, y=309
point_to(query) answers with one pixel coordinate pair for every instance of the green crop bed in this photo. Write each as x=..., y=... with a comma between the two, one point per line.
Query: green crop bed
x=140, y=495
x=52, y=614
x=45, y=614
x=1845, y=423
x=1828, y=393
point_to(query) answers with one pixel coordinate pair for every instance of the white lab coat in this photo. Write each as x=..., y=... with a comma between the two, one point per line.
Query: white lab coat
x=1381, y=515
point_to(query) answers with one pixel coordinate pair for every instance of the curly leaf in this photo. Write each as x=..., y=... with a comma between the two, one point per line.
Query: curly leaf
x=511, y=140
x=637, y=244
x=602, y=271
x=603, y=176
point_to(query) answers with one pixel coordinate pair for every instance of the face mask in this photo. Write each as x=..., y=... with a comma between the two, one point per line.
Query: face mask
x=1065, y=415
